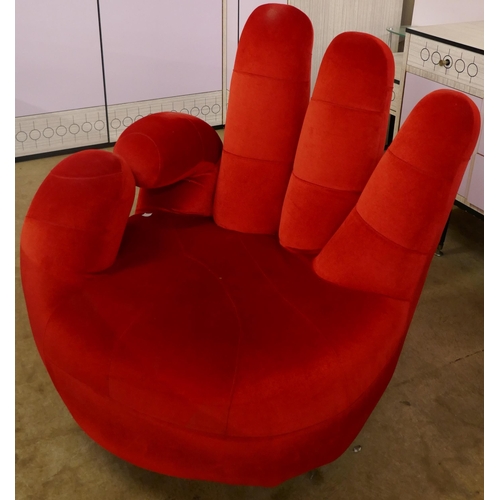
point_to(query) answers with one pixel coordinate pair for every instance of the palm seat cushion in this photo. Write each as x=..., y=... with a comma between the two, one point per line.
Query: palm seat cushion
x=221, y=334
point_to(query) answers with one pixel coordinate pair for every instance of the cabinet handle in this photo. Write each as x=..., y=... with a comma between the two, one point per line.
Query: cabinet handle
x=446, y=62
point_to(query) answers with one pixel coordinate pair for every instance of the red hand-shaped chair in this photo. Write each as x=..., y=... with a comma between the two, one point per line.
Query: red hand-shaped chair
x=243, y=324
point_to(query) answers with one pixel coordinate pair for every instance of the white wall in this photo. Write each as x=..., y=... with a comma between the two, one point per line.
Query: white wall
x=429, y=12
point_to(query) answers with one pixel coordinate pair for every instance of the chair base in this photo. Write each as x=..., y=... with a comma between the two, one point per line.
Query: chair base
x=167, y=449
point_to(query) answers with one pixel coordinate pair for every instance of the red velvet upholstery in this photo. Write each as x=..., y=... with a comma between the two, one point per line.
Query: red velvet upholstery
x=268, y=98
x=74, y=226
x=175, y=161
x=202, y=352
x=405, y=204
x=342, y=139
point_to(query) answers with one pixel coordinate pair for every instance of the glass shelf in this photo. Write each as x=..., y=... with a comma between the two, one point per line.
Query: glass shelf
x=400, y=32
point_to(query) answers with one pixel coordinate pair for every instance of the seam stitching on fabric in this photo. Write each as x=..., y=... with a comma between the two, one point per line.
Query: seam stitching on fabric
x=238, y=353
x=414, y=167
x=294, y=307
x=391, y=297
x=354, y=191
x=343, y=106
x=418, y=252
x=52, y=314
x=57, y=176
x=225, y=436
x=270, y=77
x=86, y=230
x=117, y=338
x=285, y=162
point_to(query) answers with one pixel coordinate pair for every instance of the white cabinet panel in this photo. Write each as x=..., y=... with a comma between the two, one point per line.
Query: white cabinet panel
x=154, y=50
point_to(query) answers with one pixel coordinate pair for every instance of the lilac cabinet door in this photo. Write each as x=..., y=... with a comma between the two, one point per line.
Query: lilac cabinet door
x=162, y=56
x=58, y=56
x=59, y=84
